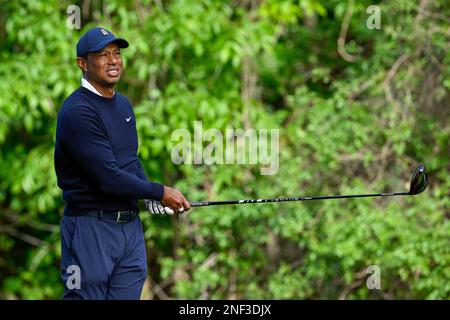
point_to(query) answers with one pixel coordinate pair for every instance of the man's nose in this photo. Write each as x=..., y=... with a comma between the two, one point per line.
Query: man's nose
x=113, y=59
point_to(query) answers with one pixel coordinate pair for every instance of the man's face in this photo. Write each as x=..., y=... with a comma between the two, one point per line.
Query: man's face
x=103, y=67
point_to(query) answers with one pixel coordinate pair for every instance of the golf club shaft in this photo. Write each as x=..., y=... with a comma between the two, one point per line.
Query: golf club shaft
x=217, y=203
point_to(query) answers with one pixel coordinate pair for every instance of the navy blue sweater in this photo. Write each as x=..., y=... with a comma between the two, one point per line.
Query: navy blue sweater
x=96, y=159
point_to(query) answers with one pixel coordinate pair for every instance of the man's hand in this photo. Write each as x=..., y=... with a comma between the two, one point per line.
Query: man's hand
x=175, y=200
x=155, y=207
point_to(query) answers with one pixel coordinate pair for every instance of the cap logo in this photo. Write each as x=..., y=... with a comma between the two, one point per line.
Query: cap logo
x=104, y=32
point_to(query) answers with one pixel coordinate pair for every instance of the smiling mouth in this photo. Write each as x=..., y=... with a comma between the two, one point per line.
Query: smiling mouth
x=112, y=72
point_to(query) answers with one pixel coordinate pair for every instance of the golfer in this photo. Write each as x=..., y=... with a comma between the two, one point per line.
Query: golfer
x=101, y=177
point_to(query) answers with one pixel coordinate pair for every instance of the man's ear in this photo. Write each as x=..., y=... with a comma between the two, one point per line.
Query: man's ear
x=82, y=64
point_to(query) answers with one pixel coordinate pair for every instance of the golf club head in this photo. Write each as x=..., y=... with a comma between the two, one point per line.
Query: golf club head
x=419, y=180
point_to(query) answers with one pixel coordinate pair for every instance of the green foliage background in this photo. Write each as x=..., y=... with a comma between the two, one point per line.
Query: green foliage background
x=354, y=118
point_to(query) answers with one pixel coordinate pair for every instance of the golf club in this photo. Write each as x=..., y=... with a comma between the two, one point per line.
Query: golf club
x=419, y=182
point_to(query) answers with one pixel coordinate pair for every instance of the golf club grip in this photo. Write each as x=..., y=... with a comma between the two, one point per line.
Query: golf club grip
x=199, y=203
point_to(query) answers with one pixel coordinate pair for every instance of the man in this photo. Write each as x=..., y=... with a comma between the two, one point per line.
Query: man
x=96, y=163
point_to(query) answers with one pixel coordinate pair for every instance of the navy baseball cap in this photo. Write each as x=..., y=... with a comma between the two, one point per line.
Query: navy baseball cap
x=96, y=39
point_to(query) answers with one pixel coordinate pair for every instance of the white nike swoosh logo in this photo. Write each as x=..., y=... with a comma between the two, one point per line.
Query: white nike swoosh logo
x=128, y=119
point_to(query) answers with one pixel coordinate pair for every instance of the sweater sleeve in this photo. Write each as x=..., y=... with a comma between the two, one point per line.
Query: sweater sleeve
x=84, y=138
x=140, y=170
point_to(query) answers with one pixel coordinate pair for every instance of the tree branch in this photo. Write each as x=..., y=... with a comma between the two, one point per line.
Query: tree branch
x=343, y=34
